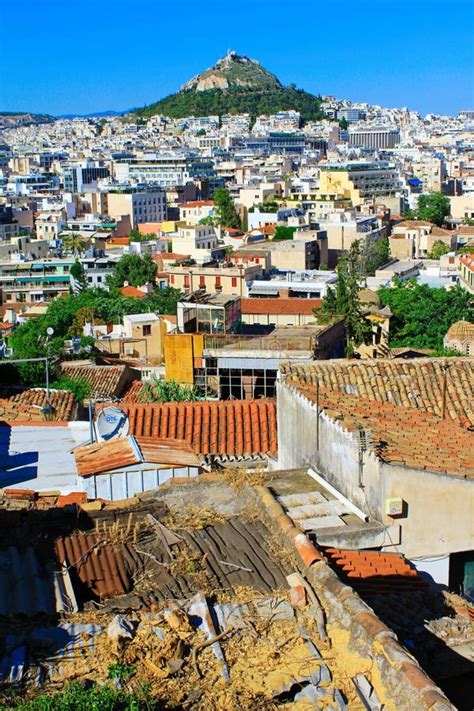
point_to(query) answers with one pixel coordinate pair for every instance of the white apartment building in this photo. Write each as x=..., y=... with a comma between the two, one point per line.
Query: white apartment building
x=146, y=206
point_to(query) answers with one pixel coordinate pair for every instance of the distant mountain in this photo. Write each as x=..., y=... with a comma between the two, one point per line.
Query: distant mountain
x=235, y=84
x=96, y=114
x=12, y=119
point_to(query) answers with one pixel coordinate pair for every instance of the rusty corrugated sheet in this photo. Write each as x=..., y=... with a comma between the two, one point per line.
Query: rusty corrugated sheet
x=178, y=453
x=105, y=456
x=99, y=565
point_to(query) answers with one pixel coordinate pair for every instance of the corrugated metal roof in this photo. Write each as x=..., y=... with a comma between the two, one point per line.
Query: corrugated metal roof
x=106, y=456
x=29, y=586
x=164, y=451
x=39, y=456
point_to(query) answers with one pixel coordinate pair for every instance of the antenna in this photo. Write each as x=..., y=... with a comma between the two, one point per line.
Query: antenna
x=112, y=422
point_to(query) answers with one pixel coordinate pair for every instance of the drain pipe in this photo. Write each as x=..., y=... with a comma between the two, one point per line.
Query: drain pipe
x=337, y=495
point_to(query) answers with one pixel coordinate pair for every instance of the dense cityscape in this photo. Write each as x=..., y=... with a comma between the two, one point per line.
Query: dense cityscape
x=237, y=403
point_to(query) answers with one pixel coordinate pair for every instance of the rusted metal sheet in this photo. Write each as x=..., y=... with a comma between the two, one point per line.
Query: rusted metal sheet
x=99, y=564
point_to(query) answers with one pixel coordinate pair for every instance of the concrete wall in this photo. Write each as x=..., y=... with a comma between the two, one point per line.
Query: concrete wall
x=439, y=516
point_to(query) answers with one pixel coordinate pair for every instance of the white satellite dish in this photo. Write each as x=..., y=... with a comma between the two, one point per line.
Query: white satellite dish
x=112, y=422
x=50, y=331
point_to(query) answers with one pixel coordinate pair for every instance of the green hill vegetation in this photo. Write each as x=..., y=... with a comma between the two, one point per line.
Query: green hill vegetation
x=235, y=85
x=236, y=101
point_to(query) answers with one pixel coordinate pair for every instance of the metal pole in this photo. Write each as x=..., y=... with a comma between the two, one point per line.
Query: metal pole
x=443, y=391
x=47, y=382
x=91, y=426
x=317, y=414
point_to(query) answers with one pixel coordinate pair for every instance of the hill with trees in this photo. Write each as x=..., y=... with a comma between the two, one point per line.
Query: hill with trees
x=235, y=85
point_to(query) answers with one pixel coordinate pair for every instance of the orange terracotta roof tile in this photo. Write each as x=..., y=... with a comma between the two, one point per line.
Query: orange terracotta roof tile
x=412, y=383
x=132, y=292
x=374, y=571
x=399, y=435
x=28, y=404
x=105, y=380
x=231, y=428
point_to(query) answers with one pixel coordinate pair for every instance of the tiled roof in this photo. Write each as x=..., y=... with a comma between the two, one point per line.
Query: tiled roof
x=198, y=203
x=276, y=306
x=133, y=393
x=105, y=380
x=132, y=292
x=468, y=261
x=98, y=564
x=412, y=383
x=28, y=404
x=231, y=428
x=398, y=435
x=461, y=330
x=414, y=223
x=375, y=572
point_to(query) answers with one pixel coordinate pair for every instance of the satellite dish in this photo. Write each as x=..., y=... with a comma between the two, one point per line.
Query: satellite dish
x=50, y=331
x=112, y=422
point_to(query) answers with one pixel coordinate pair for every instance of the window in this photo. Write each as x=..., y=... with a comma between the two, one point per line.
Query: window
x=172, y=278
x=202, y=281
x=234, y=281
x=147, y=330
x=218, y=281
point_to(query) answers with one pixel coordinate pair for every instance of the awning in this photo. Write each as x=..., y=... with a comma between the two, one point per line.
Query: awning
x=264, y=292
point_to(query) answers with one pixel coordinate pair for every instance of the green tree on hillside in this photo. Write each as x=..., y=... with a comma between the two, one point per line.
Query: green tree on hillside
x=226, y=214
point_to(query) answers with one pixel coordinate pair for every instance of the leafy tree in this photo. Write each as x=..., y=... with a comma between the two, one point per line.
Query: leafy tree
x=79, y=387
x=137, y=236
x=74, y=243
x=376, y=253
x=201, y=132
x=157, y=390
x=67, y=316
x=79, y=275
x=282, y=232
x=434, y=207
x=439, y=248
x=421, y=315
x=343, y=124
x=226, y=214
x=344, y=301
x=134, y=268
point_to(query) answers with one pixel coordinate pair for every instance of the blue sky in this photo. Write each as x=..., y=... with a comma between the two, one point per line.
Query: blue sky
x=81, y=56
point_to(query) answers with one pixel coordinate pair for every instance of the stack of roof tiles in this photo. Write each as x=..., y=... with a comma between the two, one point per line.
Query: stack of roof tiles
x=399, y=435
x=236, y=428
x=27, y=405
x=105, y=380
x=416, y=383
x=375, y=572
